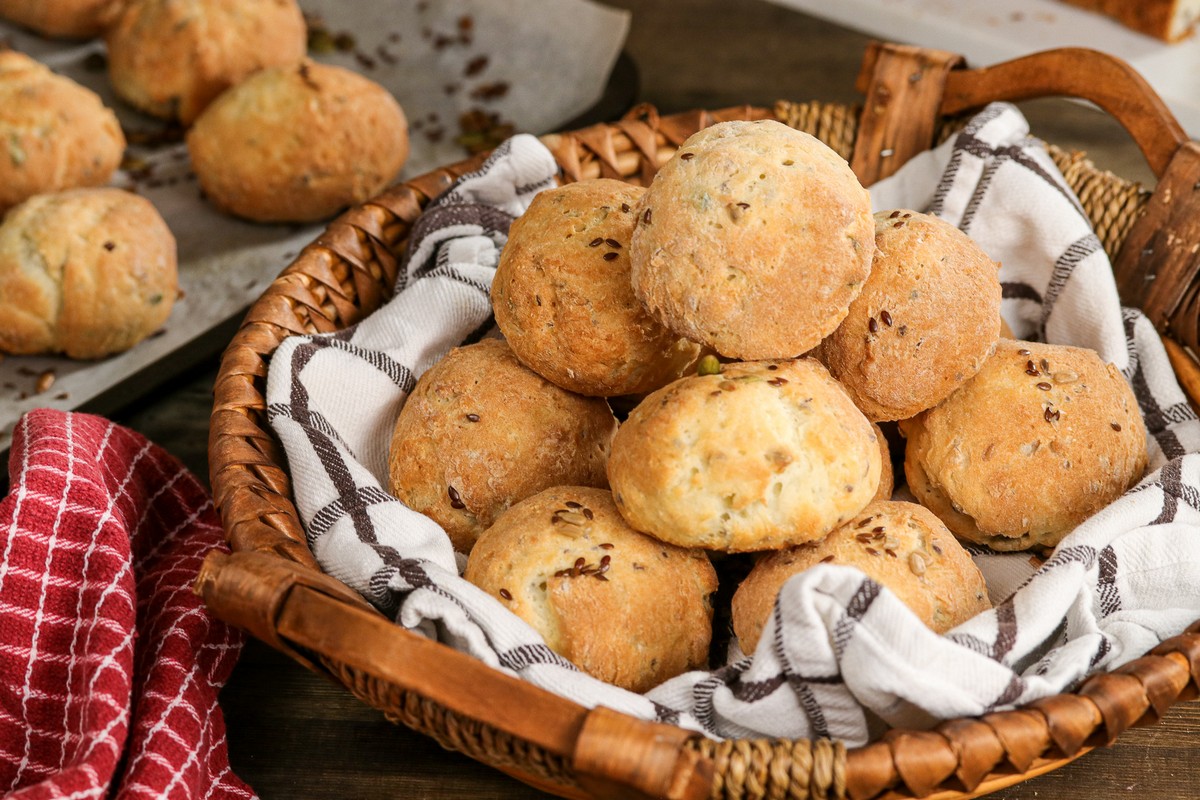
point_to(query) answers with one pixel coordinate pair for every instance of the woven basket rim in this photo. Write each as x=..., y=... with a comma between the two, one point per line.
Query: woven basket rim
x=319, y=291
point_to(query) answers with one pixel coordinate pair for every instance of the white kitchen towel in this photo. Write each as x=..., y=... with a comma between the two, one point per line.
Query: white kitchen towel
x=841, y=656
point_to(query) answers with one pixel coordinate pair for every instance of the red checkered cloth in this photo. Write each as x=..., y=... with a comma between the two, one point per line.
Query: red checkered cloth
x=109, y=664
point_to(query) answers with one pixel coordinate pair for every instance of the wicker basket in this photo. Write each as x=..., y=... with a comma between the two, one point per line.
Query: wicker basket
x=272, y=587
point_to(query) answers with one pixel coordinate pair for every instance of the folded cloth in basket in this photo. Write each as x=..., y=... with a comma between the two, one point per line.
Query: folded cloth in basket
x=109, y=663
x=841, y=654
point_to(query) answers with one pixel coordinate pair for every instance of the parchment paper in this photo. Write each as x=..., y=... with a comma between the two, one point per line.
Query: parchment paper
x=532, y=63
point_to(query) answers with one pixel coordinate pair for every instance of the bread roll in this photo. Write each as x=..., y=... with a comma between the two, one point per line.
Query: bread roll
x=171, y=59
x=753, y=239
x=54, y=133
x=564, y=301
x=62, y=19
x=927, y=318
x=481, y=432
x=298, y=143
x=1169, y=20
x=1042, y=438
x=625, y=608
x=88, y=273
x=763, y=455
x=899, y=545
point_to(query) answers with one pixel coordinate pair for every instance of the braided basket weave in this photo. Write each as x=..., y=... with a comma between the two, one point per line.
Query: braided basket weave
x=271, y=586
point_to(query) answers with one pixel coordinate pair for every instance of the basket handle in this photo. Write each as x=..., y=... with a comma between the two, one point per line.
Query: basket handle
x=922, y=84
x=325, y=626
x=908, y=89
x=1078, y=72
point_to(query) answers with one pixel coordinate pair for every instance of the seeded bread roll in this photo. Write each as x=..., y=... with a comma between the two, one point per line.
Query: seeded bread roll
x=172, y=59
x=899, y=545
x=54, y=133
x=298, y=143
x=752, y=239
x=564, y=302
x=623, y=607
x=481, y=432
x=759, y=457
x=927, y=319
x=1042, y=438
x=62, y=19
x=89, y=272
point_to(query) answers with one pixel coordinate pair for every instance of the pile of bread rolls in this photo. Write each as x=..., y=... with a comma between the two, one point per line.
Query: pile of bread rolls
x=274, y=137
x=763, y=321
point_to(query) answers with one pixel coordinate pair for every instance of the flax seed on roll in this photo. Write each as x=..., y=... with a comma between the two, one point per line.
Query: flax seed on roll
x=480, y=432
x=89, y=272
x=761, y=456
x=298, y=143
x=54, y=133
x=753, y=239
x=563, y=298
x=899, y=545
x=622, y=606
x=172, y=59
x=1040, y=439
x=927, y=318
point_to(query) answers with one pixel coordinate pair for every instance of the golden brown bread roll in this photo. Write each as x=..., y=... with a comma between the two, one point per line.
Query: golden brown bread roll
x=623, y=607
x=927, y=318
x=481, y=432
x=88, y=272
x=564, y=301
x=899, y=545
x=298, y=143
x=761, y=456
x=753, y=239
x=54, y=133
x=171, y=59
x=65, y=19
x=1042, y=438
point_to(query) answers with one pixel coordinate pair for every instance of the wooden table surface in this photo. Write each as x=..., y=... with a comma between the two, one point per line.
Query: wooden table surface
x=294, y=734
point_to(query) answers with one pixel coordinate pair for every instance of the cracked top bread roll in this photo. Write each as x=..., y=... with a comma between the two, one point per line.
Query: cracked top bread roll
x=620, y=605
x=899, y=545
x=171, y=59
x=480, y=432
x=88, y=273
x=54, y=133
x=753, y=239
x=1042, y=438
x=927, y=318
x=298, y=143
x=65, y=19
x=763, y=455
x=563, y=298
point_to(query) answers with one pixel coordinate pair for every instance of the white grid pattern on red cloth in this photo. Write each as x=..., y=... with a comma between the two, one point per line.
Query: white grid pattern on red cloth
x=110, y=666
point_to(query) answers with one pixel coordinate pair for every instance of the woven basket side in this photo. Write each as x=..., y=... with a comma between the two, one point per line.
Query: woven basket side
x=348, y=272
x=776, y=768
x=477, y=739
